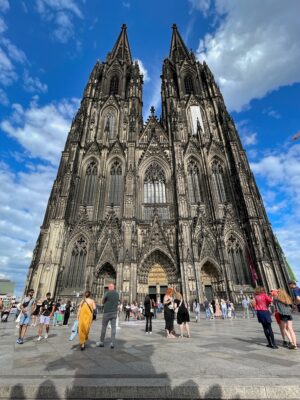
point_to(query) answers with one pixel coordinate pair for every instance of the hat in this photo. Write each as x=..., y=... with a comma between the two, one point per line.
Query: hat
x=292, y=282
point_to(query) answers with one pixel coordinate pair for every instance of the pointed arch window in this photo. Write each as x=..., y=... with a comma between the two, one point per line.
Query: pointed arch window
x=237, y=261
x=218, y=181
x=193, y=178
x=90, y=183
x=115, y=192
x=154, y=185
x=110, y=125
x=114, y=85
x=188, y=84
x=75, y=271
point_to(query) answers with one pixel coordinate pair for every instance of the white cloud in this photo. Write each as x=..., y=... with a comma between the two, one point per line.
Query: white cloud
x=272, y=113
x=62, y=14
x=280, y=174
x=254, y=48
x=4, y=5
x=248, y=137
x=201, y=5
x=33, y=85
x=41, y=130
x=3, y=98
x=23, y=199
x=143, y=70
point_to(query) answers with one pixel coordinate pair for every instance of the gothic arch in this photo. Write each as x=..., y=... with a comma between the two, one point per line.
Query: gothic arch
x=157, y=256
x=218, y=179
x=75, y=261
x=212, y=261
x=104, y=275
x=235, y=248
x=115, y=181
x=89, y=181
x=194, y=181
x=110, y=122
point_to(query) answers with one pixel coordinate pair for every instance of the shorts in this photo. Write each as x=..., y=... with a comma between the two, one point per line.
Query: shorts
x=25, y=319
x=285, y=318
x=44, y=320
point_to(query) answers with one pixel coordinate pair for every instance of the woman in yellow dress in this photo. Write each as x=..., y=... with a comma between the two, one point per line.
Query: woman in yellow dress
x=85, y=318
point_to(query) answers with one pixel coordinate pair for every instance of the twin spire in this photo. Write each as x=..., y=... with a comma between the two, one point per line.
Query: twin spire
x=121, y=50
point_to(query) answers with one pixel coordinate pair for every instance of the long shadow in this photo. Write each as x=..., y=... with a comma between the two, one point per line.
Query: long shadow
x=125, y=372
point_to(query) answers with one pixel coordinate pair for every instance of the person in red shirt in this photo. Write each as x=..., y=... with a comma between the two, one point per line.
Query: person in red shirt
x=261, y=304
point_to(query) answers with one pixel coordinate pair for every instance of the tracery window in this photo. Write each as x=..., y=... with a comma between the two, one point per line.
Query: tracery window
x=193, y=178
x=188, y=84
x=110, y=126
x=90, y=183
x=218, y=181
x=75, y=271
x=114, y=85
x=237, y=261
x=154, y=184
x=115, y=192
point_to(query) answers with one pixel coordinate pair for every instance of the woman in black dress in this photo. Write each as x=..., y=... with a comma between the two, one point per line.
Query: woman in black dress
x=169, y=313
x=148, y=314
x=67, y=312
x=183, y=316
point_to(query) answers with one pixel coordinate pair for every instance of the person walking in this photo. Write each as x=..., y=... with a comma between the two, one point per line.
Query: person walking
x=127, y=312
x=251, y=307
x=196, y=309
x=261, y=304
x=47, y=311
x=245, y=306
x=148, y=314
x=110, y=311
x=183, y=316
x=218, y=313
x=283, y=305
x=169, y=313
x=56, y=312
x=296, y=294
x=27, y=308
x=85, y=315
x=224, y=308
x=208, y=313
x=67, y=312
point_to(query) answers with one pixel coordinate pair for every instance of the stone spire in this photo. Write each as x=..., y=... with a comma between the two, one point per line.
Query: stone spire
x=121, y=50
x=178, y=49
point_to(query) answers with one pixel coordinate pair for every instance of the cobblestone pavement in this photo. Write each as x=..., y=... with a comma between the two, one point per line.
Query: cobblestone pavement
x=223, y=359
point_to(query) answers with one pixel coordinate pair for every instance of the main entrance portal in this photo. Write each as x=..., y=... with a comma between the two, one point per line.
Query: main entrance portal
x=157, y=282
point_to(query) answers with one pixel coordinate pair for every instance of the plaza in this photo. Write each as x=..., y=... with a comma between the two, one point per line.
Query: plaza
x=223, y=359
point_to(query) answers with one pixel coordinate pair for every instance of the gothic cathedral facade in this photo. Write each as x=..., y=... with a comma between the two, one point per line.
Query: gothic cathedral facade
x=165, y=202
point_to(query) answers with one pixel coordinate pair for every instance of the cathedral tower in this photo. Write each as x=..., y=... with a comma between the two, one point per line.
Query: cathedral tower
x=165, y=202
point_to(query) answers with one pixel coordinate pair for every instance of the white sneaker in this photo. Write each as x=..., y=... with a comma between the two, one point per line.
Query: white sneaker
x=46, y=336
x=39, y=338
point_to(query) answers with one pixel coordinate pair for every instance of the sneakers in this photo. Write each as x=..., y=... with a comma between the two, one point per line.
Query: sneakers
x=20, y=341
x=112, y=346
x=285, y=343
x=46, y=336
x=100, y=344
x=39, y=338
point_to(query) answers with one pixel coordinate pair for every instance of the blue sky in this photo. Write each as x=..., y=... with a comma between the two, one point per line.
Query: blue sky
x=48, y=48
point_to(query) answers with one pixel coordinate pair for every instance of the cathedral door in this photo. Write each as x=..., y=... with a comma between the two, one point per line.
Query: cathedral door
x=210, y=280
x=106, y=275
x=157, y=282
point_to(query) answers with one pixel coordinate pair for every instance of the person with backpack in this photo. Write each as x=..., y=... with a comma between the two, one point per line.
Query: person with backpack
x=261, y=304
x=27, y=308
x=283, y=305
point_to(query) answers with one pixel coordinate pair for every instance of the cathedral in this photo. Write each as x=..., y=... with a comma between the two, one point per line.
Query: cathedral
x=166, y=202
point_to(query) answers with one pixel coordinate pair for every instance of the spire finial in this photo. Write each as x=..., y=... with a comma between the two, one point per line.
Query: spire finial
x=124, y=27
x=152, y=110
x=174, y=26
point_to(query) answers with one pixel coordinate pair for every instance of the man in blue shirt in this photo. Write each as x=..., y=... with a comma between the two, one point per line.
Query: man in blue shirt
x=296, y=293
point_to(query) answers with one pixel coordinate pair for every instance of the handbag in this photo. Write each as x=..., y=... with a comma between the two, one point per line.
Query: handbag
x=94, y=312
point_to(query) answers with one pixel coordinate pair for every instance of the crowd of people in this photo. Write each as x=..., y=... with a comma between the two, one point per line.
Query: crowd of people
x=261, y=305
